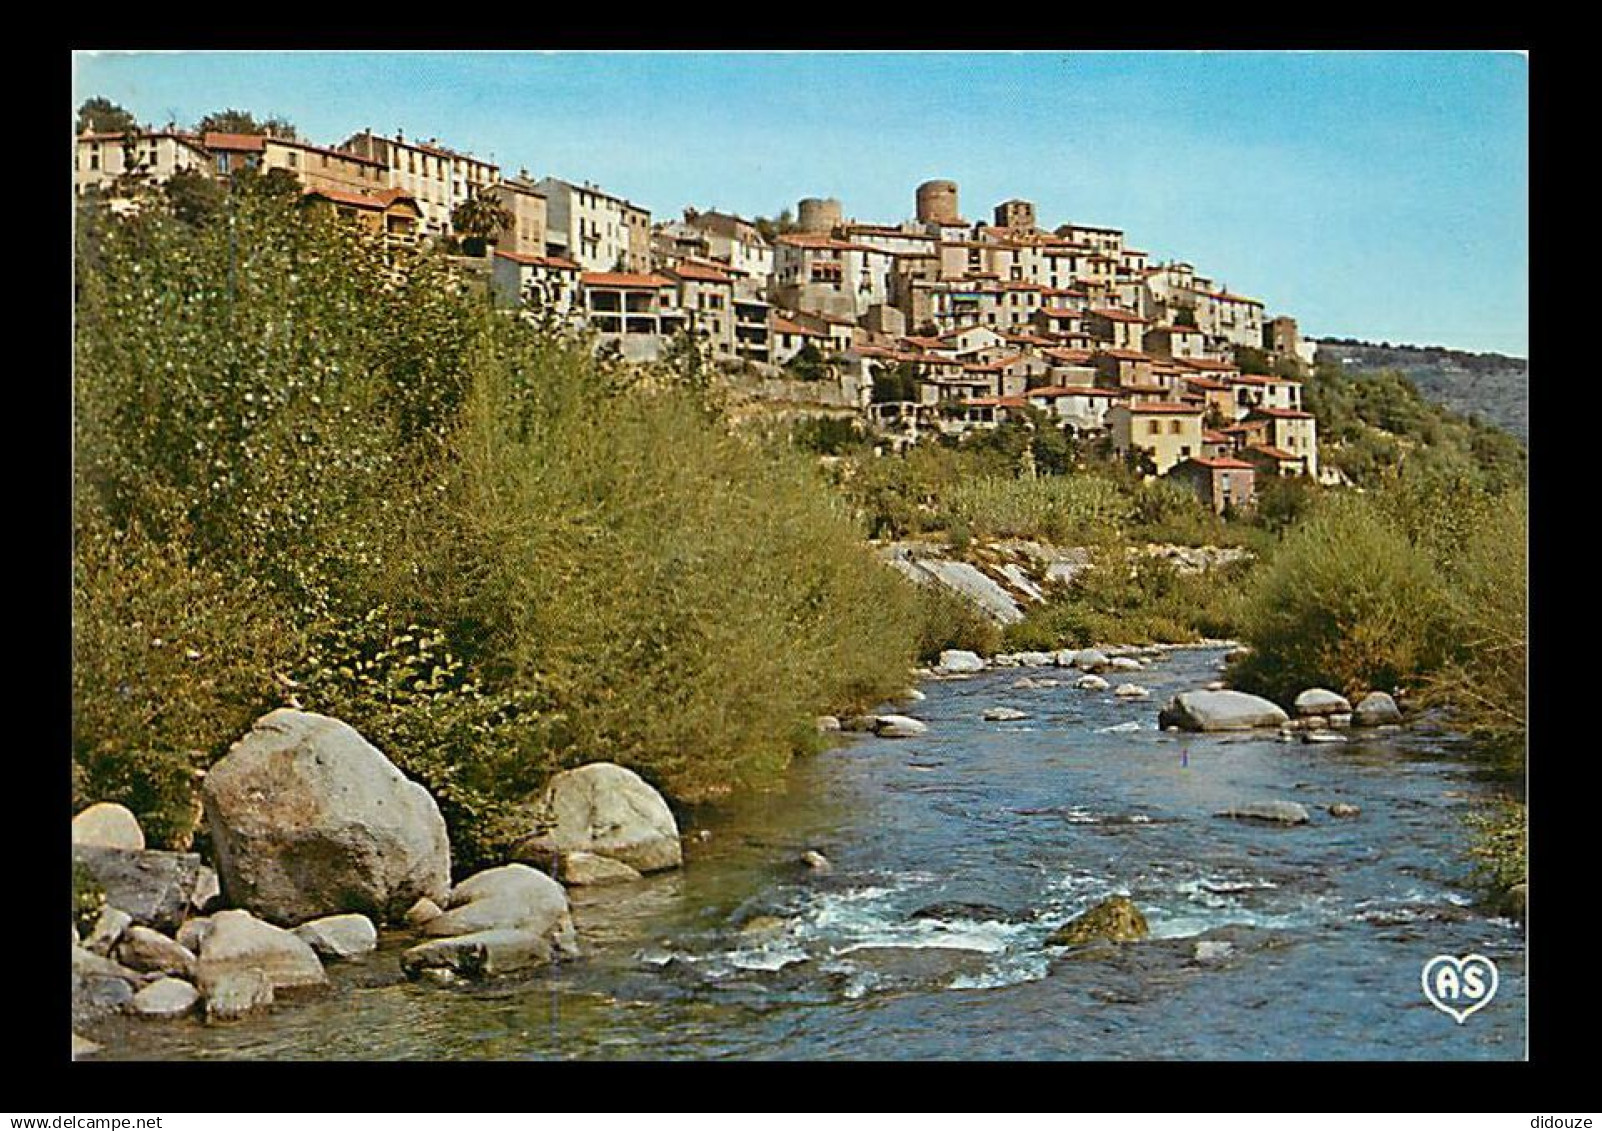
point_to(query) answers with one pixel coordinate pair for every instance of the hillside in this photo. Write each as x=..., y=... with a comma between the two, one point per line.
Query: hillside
x=1491, y=386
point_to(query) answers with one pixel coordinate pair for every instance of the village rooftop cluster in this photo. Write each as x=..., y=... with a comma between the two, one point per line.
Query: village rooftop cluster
x=979, y=321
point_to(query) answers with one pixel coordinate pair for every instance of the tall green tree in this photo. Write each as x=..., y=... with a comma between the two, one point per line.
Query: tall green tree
x=103, y=116
x=233, y=121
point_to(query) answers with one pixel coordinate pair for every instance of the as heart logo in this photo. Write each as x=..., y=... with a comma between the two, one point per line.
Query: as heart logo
x=1460, y=986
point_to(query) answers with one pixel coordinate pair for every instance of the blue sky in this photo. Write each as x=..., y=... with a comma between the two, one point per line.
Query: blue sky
x=1381, y=195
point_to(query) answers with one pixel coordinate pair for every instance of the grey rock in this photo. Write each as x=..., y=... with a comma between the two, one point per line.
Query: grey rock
x=827, y=724
x=580, y=869
x=309, y=819
x=1004, y=714
x=152, y=952
x=1320, y=701
x=83, y=1047
x=512, y=897
x=339, y=936
x=1220, y=710
x=1130, y=691
x=208, y=892
x=1323, y=736
x=193, y=932
x=1212, y=950
x=900, y=726
x=108, y=825
x=1275, y=812
x=99, y=986
x=1344, y=809
x=236, y=993
x=422, y=911
x=910, y=695
x=108, y=929
x=860, y=724
x=817, y=861
x=482, y=954
x=958, y=661
x=1124, y=664
x=1376, y=709
x=1091, y=660
x=1340, y=722
x=1092, y=683
x=165, y=999
x=238, y=941
x=607, y=810
x=1065, y=657
x=155, y=888
x=1037, y=659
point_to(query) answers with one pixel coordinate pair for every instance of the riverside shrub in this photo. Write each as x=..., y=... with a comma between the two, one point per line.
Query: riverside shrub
x=1347, y=602
x=338, y=477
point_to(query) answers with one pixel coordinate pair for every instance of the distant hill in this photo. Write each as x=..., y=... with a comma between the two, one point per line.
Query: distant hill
x=1491, y=386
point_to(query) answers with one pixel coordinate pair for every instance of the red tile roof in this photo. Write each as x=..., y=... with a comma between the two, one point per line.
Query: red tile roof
x=1117, y=315
x=345, y=196
x=1283, y=413
x=1205, y=383
x=799, y=239
x=539, y=260
x=1061, y=312
x=701, y=273
x=1127, y=355
x=1271, y=451
x=1222, y=463
x=245, y=143
x=1211, y=437
x=782, y=325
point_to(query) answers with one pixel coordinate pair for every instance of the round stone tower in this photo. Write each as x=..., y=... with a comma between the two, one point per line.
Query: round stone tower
x=819, y=217
x=937, y=203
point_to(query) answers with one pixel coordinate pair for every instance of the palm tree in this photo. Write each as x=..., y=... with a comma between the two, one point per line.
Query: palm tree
x=479, y=220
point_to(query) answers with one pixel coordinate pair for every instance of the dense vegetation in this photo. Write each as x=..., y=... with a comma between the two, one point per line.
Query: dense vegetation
x=314, y=470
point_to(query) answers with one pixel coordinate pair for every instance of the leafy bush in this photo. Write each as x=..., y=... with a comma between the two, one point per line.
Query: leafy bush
x=172, y=662
x=1347, y=602
x=313, y=465
x=1128, y=598
x=1485, y=678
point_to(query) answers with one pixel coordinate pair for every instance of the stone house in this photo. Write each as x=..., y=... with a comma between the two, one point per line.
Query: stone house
x=1220, y=482
x=1171, y=432
x=706, y=296
x=101, y=158
x=438, y=178
x=1293, y=431
x=637, y=313
x=536, y=283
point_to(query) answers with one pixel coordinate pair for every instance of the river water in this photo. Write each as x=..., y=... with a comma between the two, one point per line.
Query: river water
x=1267, y=942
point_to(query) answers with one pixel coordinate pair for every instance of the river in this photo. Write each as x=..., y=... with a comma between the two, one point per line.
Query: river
x=1267, y=942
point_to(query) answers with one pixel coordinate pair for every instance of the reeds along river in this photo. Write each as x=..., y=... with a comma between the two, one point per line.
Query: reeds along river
x=954, y=856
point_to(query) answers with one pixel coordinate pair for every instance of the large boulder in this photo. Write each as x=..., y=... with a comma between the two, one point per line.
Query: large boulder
x=237, y=942
x=99, y=985
x=513, y=895
x=108, y=825
x=1272, y=812
x=1091, y=660
x=340, y=936
x=1318, y=702
x=581, y=869
x=900, y=726
x=152, y=952
x=606, y=810
x=1376, y=709
x=155, y=888
x=959, y=661
x=1115, y=919
x=1220, y=710
x=167, y=998
x=309, y=819
x=500, y=920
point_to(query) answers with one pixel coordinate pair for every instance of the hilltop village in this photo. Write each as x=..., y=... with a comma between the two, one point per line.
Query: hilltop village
x=932, y=326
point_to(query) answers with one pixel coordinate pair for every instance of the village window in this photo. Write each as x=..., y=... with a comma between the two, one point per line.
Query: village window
x=1155, y=427
x=1174, y=427
x=94, y=160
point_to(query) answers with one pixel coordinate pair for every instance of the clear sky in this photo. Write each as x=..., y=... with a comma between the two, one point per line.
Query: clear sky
x=1378, y=195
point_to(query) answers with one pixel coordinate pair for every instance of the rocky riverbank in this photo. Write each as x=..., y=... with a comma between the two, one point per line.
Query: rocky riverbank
x=323, y=849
